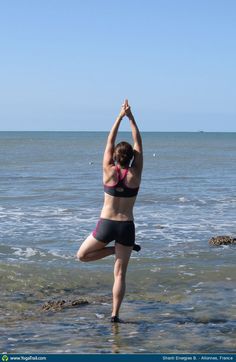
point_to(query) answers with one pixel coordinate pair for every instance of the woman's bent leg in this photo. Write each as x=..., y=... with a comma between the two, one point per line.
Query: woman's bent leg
x=122, y=259
x=92, y=249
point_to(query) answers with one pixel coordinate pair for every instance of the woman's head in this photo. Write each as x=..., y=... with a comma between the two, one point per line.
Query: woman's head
x=123, y=154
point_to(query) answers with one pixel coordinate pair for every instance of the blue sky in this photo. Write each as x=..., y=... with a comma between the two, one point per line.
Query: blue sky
x=68, y=64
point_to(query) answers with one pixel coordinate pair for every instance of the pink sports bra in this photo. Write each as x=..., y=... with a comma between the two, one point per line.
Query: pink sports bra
x=120, y=189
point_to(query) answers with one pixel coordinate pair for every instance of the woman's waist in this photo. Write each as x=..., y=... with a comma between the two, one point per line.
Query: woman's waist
x=113, y=214
x=116, y=208
x=117, y=221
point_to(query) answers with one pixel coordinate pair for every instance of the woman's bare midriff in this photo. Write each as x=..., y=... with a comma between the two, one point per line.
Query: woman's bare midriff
x=118, y=208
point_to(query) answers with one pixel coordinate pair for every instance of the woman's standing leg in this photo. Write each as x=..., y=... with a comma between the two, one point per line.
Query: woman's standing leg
x=121, y=262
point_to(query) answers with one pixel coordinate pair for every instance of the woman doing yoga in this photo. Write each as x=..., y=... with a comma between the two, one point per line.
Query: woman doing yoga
x=122, y=169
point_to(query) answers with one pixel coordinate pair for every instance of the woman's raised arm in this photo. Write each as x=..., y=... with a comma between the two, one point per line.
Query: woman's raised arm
x=109, y=149
x=137, y=139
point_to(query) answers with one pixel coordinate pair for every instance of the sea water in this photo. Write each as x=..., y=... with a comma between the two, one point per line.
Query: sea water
x=180, y=294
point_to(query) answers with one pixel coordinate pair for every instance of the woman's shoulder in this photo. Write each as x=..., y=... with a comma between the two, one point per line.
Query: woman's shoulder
x=109, y=174
x=133, y=177
x=133, y=171
x=109, y=169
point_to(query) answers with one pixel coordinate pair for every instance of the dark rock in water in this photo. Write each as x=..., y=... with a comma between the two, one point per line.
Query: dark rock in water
x=79, y=302
x=57, y=305
x=160, y=227
x=71, y=302
x=222, y=240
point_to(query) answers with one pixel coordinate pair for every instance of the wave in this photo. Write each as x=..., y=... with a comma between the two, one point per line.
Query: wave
x=37, y=254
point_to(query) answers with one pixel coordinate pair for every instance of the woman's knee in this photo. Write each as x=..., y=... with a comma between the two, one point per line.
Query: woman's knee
x=120, y=276
x=81, y=255
x=83, y=251
x=120, y=270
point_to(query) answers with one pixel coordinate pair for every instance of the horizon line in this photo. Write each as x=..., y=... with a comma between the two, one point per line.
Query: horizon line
x=105, y=131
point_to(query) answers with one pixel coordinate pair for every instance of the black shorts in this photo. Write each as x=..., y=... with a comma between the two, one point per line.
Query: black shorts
x=123, y=232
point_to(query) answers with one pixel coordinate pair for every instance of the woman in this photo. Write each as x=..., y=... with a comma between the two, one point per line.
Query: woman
x=122, y=169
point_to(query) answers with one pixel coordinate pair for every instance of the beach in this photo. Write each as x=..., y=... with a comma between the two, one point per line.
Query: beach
x=181, y=291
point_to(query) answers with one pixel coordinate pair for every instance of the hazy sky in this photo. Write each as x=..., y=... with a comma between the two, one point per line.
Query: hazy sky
x=68, y=64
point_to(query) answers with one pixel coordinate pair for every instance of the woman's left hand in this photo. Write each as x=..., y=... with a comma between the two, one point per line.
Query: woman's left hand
x=122, y=111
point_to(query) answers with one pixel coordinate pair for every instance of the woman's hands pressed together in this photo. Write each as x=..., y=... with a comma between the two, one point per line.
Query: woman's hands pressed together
x=125, y=110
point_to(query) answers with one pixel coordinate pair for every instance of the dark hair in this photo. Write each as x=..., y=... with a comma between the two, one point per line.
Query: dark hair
x=123, y=154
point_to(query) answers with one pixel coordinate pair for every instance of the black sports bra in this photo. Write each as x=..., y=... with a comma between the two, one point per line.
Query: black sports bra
x=120, y=189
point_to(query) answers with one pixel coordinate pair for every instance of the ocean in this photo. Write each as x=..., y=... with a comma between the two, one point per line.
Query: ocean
x=181, y=292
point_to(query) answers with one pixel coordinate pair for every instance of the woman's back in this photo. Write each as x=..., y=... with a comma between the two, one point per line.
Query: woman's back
x=120, y=190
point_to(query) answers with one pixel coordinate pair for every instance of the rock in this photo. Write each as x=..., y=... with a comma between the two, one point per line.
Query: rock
x=222, y=240
x=79, y=302
x=160, y=227
x=57, y=305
